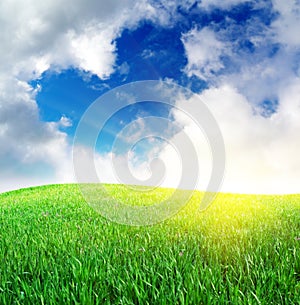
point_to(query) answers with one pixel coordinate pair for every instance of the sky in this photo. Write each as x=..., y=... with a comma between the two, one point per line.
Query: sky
x=240, y=58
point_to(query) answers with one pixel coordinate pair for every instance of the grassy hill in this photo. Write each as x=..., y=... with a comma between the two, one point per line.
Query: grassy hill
x=55, y=249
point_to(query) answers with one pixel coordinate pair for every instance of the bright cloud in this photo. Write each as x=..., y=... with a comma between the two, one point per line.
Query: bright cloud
x=287, y=24
x=27, y=144
x=36, y=37
x=256, y=58
x=245, y=64
x=203, y=51
x=262, y=153
x=223, y=4
x=262, y=149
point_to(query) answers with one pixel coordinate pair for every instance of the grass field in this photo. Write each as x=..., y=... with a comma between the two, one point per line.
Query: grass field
x=55, y=249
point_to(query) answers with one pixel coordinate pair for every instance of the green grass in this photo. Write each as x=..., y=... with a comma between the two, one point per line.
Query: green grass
x=55, y=249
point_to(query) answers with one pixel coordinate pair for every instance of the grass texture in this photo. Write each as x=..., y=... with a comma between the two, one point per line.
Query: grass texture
x=55, y=249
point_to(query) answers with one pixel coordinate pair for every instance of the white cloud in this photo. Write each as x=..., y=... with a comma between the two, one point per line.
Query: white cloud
x=286, y=26
x=38, y=36
x=223, y=4
x=203, y=51
x=264, y=79
x=92, y=167
x=172, y=158
x=65, y=122
x=93, y=51
x=218, y=54
x=26, y=143
x=262, y=154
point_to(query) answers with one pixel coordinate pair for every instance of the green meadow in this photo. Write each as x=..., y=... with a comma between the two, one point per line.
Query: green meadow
x=55, y=249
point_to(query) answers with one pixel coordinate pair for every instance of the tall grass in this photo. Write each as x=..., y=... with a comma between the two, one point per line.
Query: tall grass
x=55, y=249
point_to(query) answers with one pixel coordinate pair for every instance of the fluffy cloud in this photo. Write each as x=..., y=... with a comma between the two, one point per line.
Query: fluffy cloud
x=223, y=4
x=287, y=24
x=92, y=167
x=36, y=37
x=248, y=56
x=262, y=154
x=262, y=148
x=203, y=51
x=29, y=147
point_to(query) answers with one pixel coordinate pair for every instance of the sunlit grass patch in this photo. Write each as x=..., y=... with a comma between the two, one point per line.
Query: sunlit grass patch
x=55, y=249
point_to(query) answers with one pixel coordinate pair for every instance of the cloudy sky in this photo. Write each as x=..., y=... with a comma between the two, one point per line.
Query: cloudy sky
x=241, y=58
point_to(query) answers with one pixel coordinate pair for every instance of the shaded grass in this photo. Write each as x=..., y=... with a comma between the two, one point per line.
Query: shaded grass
x=55, y=249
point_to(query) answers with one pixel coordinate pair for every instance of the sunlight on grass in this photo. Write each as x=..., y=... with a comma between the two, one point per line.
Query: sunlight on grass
x=55, y=249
